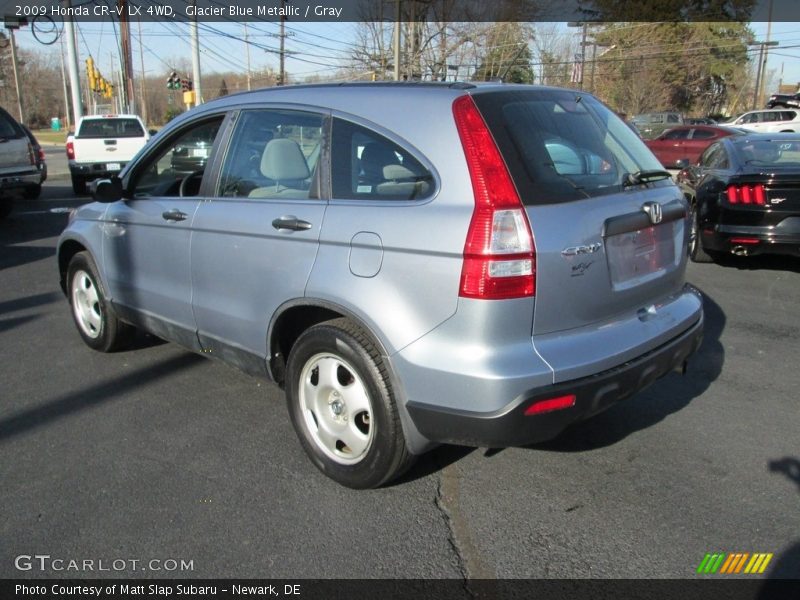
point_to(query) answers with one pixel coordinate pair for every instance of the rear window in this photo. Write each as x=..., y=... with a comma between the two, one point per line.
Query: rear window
x=561, y=145
x=775, y=153
x=110, y=128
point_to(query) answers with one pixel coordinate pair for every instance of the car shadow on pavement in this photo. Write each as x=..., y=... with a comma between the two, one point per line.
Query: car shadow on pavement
x=787, y=564
x=669, y=395
x=89, y=397
x=18, y=230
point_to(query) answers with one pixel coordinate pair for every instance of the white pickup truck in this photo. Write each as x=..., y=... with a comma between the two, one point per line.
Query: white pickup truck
x=102, y=145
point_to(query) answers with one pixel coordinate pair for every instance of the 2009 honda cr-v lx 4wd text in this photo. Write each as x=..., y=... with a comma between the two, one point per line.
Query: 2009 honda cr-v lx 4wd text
x=414, y=263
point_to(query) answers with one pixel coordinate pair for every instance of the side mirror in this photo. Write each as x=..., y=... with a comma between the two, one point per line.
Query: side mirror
x=106, y=190
x=682, y=163
x=152, y=131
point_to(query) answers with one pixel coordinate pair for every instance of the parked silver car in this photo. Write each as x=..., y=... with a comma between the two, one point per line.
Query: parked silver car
x=414, y=263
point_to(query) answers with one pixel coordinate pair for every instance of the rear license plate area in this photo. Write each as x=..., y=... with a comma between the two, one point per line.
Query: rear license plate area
x=636, y=256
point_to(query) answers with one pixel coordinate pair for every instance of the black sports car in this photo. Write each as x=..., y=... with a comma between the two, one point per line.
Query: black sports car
x=745, y=196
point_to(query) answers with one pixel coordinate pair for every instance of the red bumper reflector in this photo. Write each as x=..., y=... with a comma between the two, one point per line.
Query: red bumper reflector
x=744, y=240
x=551, y=404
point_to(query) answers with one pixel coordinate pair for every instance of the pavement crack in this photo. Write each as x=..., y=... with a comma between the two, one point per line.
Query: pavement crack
x=470, y=564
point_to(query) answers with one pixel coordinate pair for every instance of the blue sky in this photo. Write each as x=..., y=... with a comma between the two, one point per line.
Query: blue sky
x=314, y=48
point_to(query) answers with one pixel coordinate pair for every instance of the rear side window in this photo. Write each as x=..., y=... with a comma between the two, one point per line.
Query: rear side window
x=9, y=128
x=110, y=128
x=561, y=145
x=365, y=165
x=702, y=134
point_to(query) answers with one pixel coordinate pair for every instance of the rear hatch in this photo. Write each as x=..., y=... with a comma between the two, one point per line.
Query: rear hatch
x=15, y=149
x=108, y=139
x=609, y=244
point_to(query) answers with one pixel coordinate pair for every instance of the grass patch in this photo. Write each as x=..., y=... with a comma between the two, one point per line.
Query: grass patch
x=48, y=136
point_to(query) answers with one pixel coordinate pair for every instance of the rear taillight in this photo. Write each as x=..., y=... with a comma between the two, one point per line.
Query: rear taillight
x=70, y=151
x=747, y=194
x=41, y=155
x=499, y=253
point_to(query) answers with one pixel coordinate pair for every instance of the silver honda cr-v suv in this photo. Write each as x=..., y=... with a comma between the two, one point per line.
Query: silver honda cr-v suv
x=413, y=263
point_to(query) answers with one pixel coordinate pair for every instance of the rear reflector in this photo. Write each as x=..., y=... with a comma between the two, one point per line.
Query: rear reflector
x=499, y=250
x=747, y=194
x=551, y=404
x=743, y=240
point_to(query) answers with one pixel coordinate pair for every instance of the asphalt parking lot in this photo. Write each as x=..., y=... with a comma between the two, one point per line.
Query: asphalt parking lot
x=157, y=454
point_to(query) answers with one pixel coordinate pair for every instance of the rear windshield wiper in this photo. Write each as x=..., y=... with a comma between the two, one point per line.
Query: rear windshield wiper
x=640, y=177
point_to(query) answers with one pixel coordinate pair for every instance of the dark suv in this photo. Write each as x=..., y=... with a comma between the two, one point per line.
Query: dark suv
x=19, y=173
x=506, y=262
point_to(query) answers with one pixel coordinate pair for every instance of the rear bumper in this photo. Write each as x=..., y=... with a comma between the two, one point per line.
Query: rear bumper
x=94, y=170
x=754, y=239
x=18, y=181
x=509, y=426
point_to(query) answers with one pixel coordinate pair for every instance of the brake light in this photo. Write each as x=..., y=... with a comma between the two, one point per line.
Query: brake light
x=70, y=150
x=499, y=251
x=747, y=194
x=551, y=404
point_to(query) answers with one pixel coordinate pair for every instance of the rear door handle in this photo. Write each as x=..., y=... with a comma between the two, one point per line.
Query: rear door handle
x=173, y=215
x=291, y=223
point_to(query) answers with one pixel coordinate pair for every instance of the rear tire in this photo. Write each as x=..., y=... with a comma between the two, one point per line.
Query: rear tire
x=6, y=206
x=32, y=192
x=94, y=317
x=342, y=406
x=697, y=253
x=78, y=185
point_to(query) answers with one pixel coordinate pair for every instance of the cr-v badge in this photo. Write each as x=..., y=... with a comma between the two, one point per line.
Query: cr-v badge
x=576, y=250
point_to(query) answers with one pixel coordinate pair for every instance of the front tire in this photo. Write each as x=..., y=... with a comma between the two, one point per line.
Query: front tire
x=78, y=185
x=94, y=317
x=32, y=192
x=342, y=406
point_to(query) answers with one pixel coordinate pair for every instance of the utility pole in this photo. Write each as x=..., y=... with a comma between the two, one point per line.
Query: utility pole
x=72, y=68
x=247, y=54
x=143, y=89
x=64, y=83
x=126, y=59
x=16, y=73
x=766, y=55
x=282, y=71
x=397, y=41
x=198, y=94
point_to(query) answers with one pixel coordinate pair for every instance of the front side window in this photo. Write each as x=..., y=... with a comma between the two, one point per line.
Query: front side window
x=368, y=166
x=273, y=154
x=177, y=168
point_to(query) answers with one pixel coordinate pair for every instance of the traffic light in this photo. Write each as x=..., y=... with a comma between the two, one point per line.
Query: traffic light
x=91, y=74
x=173, y=82
x=187, y=85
